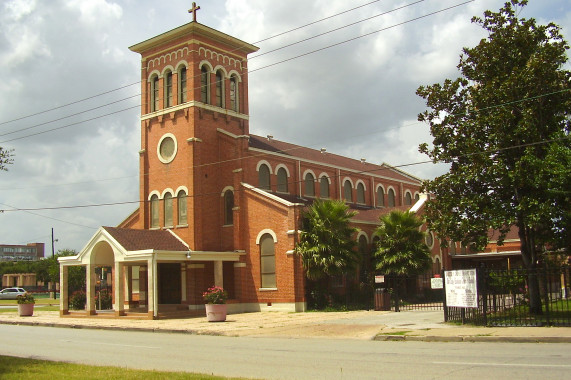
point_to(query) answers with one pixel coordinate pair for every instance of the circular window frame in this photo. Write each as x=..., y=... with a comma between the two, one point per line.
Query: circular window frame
x=171, y=158
x=429, y=235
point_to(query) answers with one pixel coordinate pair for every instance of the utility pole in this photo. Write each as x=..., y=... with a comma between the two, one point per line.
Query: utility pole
x=53, y=255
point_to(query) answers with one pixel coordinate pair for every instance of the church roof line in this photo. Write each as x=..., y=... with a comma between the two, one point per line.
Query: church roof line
x=140, y=240
x=194, y=28
x=294, y=151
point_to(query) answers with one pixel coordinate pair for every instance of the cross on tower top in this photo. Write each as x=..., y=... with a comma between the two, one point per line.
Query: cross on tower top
x=193, y=11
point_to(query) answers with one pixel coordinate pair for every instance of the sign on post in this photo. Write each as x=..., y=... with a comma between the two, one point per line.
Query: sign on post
x=461, y=288
x=436, y=283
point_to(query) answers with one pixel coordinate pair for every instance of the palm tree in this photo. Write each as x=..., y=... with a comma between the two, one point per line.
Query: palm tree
x=326, y=246
x=401, y=249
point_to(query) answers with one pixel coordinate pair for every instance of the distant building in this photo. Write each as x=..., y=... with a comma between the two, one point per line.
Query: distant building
x=28, y=252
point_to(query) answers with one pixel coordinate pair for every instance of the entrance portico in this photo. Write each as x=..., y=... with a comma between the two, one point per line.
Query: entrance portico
x=149, y=268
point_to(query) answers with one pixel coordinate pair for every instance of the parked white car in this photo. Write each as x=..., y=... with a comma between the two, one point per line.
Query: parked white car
x=11, y=293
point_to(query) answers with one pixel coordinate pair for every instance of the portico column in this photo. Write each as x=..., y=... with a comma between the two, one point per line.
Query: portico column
x=152, y=299
x=218, y=274
x=63, y=290
x=90, y=289
x=119, y=290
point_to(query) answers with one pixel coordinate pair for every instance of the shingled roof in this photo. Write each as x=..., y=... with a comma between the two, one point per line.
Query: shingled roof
x=138, y=240
x=297, y=151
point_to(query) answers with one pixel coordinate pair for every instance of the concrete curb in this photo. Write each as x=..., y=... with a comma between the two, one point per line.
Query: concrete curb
x=469, y=338
x=380, y=337
x=136, y=329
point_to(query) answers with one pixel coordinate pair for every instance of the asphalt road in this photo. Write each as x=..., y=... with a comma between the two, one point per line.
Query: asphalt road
x=286, y=358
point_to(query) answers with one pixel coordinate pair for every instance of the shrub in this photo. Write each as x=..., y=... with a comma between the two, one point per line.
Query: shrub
x=77, y=300
x=106, y=300
x=25, y=299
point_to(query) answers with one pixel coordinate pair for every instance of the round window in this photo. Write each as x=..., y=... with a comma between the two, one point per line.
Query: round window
x=166, y=150
x=429, y=239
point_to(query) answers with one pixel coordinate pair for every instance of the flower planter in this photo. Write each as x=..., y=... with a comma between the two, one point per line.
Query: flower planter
x=26, y=309
x=216, y=312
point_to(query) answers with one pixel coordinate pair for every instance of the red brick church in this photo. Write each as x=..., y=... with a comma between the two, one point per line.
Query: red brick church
x=219, y=205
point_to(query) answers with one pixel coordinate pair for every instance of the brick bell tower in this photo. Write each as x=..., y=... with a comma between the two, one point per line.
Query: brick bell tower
x=194, y=94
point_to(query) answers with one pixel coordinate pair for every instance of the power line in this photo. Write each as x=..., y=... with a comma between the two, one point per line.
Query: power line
x=335, y=30
x=251, y=71
x=69, y=104
x=139, y=82
x=303, y=147
x=387, y=167
x=161, y=90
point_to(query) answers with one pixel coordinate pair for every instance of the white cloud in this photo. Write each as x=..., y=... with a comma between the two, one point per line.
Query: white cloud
x=96, y=12
x=356, y=99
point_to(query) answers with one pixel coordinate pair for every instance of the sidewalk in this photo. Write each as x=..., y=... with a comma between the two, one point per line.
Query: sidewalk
x=365, y=325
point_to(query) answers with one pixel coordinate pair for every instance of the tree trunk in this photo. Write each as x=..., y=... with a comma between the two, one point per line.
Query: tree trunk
x=534, y=295
x=529, y=258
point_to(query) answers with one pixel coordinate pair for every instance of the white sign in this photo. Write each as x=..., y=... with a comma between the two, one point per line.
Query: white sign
x=379, y=279
x=436, y=283
x=461, y=288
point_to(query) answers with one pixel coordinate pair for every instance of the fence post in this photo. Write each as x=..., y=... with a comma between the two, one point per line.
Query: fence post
x=444, y=306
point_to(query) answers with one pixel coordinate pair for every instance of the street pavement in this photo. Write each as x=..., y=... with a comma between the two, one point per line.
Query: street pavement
x=364, y=325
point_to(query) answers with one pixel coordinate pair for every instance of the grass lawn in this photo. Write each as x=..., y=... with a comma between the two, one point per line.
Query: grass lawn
x=559, y=313
x=31, y=369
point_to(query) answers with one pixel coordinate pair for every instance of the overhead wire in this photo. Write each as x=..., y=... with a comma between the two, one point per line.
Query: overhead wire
x=310, y=146
x=249, y=71
x=379, y=168
x=139, y=82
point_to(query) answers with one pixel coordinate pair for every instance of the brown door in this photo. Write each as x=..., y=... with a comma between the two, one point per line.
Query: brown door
x=169, y=283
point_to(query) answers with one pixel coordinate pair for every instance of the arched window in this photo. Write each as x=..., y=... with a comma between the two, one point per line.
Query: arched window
x=436, y=267
x=220, y=88
x=268, y=261
x=168, y=209
x=282, y=180
x=416, y=197
x=168, y=89
x=452, y=247
x=264, y=177
x=154, y=94
x=234, y=98
x=181, y=208
x=360, y=193
x=391, y=198
x=375, y=244
x=324, y=187
x=228, y=207
x=182, y=85
x=407, y=198
x=309, y=185
x=348, y=191
x=380, y=196
x=154, y=211
x=204, y=85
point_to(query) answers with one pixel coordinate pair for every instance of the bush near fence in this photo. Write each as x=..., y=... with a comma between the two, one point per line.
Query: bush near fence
x=503, y=299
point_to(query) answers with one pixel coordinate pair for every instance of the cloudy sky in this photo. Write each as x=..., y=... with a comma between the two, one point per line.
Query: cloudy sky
x=70, y=94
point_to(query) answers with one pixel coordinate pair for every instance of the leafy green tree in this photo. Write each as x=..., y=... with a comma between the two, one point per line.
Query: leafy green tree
x=401, y=249
x=503, y=126
x=5, y=158
x=326, y=246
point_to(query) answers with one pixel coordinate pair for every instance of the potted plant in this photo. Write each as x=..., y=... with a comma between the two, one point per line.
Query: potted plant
x=25, y=305
x=215, y=298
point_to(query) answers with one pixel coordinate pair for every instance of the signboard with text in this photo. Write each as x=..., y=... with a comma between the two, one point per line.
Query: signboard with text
x=461, y=288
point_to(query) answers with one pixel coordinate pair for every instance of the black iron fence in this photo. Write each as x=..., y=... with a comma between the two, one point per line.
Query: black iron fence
x=414, y=292
x=519, y=297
